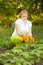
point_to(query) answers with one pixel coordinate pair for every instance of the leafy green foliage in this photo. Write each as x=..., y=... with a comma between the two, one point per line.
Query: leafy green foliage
x=5, y=44
x=11, y=9
x=37, y=30
x=27, y=54
x=5, y=35
x=37, y=18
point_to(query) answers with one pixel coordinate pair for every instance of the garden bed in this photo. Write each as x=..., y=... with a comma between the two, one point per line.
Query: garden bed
x=6, y=47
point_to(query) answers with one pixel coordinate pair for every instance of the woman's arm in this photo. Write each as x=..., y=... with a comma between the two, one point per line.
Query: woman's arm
x=30, y=34
x=18, y=29
x=30, y=31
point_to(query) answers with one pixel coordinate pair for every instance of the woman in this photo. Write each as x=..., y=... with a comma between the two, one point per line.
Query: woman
x=23, y=27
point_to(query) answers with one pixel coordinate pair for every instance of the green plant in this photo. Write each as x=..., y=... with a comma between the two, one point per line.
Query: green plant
x=26, y=54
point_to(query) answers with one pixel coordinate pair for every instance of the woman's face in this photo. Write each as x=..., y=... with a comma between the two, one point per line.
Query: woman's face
x=24, y=16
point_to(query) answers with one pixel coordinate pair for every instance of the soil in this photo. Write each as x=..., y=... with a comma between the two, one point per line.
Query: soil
x=40, y=63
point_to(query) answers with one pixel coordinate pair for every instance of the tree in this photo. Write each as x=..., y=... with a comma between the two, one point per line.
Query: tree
x=11, y=8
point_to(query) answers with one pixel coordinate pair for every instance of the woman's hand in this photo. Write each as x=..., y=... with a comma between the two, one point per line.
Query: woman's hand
x=24, y=37
x=31, y=38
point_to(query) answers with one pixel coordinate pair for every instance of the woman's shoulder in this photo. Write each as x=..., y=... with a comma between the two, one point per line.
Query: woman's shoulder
x=18, y=21
x=29, y=23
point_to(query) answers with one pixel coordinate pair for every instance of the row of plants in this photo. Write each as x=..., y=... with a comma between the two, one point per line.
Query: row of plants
x=37, y=30
x=5, y=35
x=26, y=54
x=5, y=44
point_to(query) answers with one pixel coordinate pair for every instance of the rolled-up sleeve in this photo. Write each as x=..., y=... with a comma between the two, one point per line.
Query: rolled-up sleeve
x=17, y=22
x=30, y=29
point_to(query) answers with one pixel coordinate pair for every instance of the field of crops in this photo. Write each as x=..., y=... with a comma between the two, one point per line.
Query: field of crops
x=26, y=54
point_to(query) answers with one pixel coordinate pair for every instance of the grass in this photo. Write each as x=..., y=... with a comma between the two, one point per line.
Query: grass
x=5, y=35
x=37, y=31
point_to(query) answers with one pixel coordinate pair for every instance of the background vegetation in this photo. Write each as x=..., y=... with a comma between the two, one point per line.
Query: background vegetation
x=28, y=54
x=10, y=10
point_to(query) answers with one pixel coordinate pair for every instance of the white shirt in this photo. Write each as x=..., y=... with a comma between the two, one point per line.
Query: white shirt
x=24, y=27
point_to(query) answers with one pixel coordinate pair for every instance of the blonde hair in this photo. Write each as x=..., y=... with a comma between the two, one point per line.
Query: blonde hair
x=24, y=11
